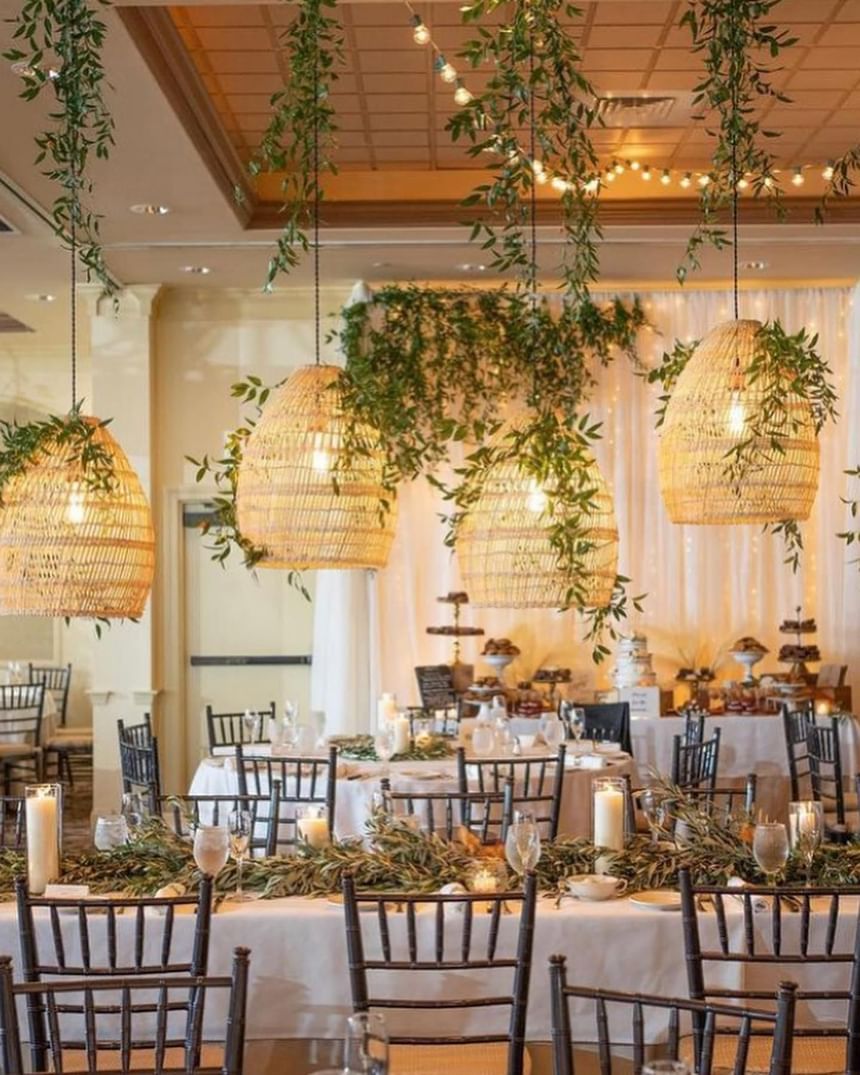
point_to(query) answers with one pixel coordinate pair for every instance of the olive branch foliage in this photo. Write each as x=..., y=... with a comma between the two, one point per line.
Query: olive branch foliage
x=786, y=369
x=851, y=536
x=58, y=45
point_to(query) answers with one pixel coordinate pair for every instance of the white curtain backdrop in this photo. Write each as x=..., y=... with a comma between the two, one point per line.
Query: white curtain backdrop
x=705, y=585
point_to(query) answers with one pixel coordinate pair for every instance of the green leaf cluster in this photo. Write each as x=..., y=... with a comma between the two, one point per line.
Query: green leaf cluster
x=59, y=45
x=361, y=748
x=851, y=536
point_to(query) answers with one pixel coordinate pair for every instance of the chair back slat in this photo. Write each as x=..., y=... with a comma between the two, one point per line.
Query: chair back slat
x=139, y=764
x=708, y=1019
x=107, y=1015
x=608, y=722
x=695, y=765
x=184, y=813
x=485, y=814
x=229, y=730
x=824, y=754
x=300, y=780
x=537, y=783
x=57, y=682
x=21, y=709
x=410, y=950
x=796, y=724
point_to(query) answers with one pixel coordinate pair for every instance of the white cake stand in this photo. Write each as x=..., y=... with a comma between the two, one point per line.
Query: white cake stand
x=748, y=658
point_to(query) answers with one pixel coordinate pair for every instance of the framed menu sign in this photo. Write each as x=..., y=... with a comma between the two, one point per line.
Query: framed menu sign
x=435, y=686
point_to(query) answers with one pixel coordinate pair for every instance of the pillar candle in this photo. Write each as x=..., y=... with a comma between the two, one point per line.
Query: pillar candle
x=401, y=735
x=314, y=831
x=608, y=821
x=43, y=843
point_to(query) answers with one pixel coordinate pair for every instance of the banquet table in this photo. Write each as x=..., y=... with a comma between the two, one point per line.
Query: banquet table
x=299, y=985
x=357, y=780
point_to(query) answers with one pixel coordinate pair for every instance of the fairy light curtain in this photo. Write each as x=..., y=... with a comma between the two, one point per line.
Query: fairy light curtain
x=706, y=585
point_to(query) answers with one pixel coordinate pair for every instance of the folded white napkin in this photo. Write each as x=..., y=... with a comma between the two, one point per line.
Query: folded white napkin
x=590, y=761
x=759, y=903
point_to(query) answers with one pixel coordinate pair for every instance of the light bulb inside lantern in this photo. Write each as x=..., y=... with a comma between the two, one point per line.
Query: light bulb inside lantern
x=421, y=35
x=321, y=461
x=76, y=507
x=536, y=498
x=737, y=413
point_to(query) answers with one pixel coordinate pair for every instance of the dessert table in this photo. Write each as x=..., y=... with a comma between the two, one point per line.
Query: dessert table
x=357, y=780
x=299, y=986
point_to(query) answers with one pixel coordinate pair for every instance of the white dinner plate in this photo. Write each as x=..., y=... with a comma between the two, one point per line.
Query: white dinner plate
x=657, y=899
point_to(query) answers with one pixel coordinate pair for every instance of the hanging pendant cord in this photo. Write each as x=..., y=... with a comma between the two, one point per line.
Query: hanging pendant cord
x=532, y=158
x=316, y=208
x=735, y=254
x=73, y=297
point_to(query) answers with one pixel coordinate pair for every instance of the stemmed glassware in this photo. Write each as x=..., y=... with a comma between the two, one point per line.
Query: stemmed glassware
x=241, y=829
x=290, y=726
x=770, y=849
x=211, y=848
x=657, y=807
x=553, y=731
x=522, y=843
x=366, y=1045
x=252, y=723
x=806, y=830
x=133, y=809
x=383, y=744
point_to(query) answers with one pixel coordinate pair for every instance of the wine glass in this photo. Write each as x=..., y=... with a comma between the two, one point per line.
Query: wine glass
x=111, y=831
x=365, y=1045
x=522, y=843
x=240, y=827
x=552, y=730
x=252, y=723
x=806, y=829
x=290, y=726
x=770, y=848
x=211, y=847
x=656, y=806
x=133, y=809
x=483, y=739
x=383, y=744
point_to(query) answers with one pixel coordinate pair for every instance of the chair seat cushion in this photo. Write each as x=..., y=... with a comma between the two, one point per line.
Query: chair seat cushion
x=74, y=731
x=108, y=1060
x=468, y=1059
x=18, y=750
x=809, y=1056
x=83, y=740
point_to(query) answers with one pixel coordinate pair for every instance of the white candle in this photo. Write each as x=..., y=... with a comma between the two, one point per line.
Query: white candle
x=423, y=739
x=314, y=831
x=802, y=821
x=823, y=708
x=43, y=843
x=483, y=881
x=401, y=735
x=608, y=823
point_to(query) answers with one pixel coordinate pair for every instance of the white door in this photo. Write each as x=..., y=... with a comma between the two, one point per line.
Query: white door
x=248, y=636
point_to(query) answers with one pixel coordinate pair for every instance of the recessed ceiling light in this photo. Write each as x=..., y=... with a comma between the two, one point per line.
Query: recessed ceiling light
x=147, y=209
x=755, y=266
x=467, y=266
x=41, y=297
x=197, y=270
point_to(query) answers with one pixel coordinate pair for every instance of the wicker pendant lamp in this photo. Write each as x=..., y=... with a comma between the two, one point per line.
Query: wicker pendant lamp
x=66, y=548
x=504, y=550
x=285, y=498
x=293, y=498
x=706, y=418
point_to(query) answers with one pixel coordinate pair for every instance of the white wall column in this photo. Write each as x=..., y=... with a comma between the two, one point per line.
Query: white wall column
x=123, y=667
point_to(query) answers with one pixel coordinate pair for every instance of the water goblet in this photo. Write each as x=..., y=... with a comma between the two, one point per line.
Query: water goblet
x=770, y=849
x=553, y=731
x=522, y=843
x=252, y=723
x=240, y=827
x=806, y=830
x=133, y=809
x=111, y=832
x=365, y=1045
x=483, y=739
x=383, y=744
x=211, y=848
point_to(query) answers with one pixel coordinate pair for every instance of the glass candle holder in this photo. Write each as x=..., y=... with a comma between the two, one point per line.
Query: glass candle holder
x=312, y=825
x=608, y=816
x=43, y=811
x=805, y=829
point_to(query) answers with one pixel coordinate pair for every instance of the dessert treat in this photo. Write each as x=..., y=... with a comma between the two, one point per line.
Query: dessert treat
x=500, y=647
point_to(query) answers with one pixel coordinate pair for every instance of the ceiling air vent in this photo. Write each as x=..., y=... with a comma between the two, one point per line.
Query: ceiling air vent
x=8, y=323
x=655, y=110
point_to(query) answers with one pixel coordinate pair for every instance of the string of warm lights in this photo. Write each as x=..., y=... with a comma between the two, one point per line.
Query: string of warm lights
x=614, y=168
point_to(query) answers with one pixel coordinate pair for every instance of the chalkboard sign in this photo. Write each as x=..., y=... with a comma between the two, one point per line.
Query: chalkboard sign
x=436, y=686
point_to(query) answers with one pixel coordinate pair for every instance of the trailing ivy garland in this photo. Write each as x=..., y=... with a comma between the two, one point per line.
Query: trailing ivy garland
x=852, y=535
x=789, y=369
x=58, y=45
x=395, y=858
x=733, y=39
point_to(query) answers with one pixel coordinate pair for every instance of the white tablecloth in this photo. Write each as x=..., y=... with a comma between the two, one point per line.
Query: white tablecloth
x=357, y=781
x=299, y=986
x=749, y=742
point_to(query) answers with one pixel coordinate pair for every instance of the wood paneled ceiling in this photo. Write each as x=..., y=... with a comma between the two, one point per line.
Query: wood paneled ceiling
x=392, y=107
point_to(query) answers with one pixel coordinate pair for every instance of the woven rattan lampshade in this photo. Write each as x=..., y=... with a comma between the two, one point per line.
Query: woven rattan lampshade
x=506, y=559
x=705, y=419
x=66, y=550
x=286, y=501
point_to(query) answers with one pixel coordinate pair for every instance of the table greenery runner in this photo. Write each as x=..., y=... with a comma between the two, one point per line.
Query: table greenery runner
x=361, y=748
x=396, y=858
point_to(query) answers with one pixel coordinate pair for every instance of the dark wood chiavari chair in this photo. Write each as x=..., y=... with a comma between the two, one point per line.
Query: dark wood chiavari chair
x=742, y=1022
x=444, y=722
x=147, y=946
x=538, y=783
x=228, y=729
x=454, y=945
x=609, y=722
x=303, y=781
x=694, y=726
x=138, y=758
x=695, y=765
x=782, y=933
x=796, y=724
x=143, y=1024
x=721, y=803
x=21, y=709
x=13, y=824
x=184, y=813
x=824, y=755
x=485, y=814
x=66, y=742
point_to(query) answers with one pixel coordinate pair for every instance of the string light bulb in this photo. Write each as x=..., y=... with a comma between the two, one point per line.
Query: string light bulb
x=447, y=71
x=646, y=174
x=633, y=166
x=609, y=176
x=592, y=186
x=797, y=179
x=686, y=180
x=665, y=178
x=768, y=182
x=742, y=183
x=828, y=171
x=618, y=167
x=420, y=33
x=559, y=184
x=704, y=179
x=461, y=94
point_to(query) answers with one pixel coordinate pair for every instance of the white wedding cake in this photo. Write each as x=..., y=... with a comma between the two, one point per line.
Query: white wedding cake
x=633, y=664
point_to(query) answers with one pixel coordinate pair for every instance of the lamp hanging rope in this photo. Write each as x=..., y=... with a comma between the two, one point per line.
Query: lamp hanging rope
x=296, y=497
x=76, y=536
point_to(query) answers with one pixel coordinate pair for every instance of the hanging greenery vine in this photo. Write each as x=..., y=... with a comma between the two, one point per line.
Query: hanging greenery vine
x=58, y=46
x=788, y=369
x=851, y=536
x=300, y=137
x=533, y=58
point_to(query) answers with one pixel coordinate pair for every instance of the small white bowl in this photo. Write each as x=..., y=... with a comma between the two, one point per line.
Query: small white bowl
x=595, y=886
